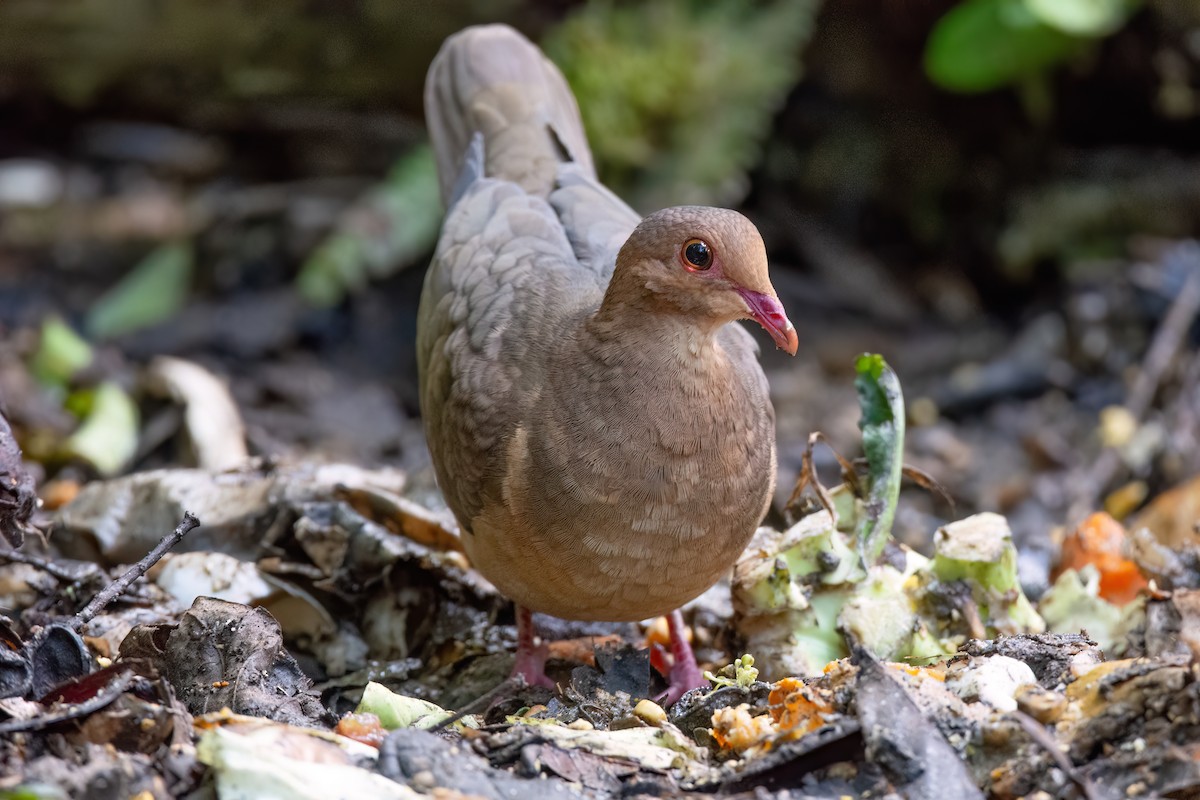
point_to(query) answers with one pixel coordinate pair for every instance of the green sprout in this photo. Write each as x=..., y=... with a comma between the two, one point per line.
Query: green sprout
x=740, y=673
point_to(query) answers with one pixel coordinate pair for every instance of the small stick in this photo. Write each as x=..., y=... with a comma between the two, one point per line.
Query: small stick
x=481, y=703
x=121, y=584
x=1185, y=414
x=1168, y=339
x=808, y=475
x=1041, y=737
x=107, y=695
x=44, y=564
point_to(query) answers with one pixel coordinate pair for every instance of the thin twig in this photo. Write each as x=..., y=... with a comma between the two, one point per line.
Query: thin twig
x=1168, y=339
x=1185, y=418
x=44, y=564
x=104, y=697
x=808, y=476
x=927, y=482
x=1040, y=736
x=484, y=701
x=121, y=584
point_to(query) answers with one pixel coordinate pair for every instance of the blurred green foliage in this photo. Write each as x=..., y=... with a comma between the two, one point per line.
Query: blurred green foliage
x=196, y=52
x=391, y=227
x=1084, y=17
x=61, y=353
x=152, y=292
x=107, y=437
x=981, y=45
x=1085, y=219
x=678, y=95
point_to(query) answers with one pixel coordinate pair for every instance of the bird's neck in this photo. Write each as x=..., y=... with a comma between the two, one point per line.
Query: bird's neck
x=636, y=320
x=665, y=345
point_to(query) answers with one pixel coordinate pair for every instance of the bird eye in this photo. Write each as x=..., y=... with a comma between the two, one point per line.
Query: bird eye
x=697, y=254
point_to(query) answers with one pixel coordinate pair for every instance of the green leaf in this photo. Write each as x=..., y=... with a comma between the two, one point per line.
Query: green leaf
x=390, y=228
x=397, y=710
x=882, y=426
x=34, y=791
x=61, y=353
x=108, y=437
x=1093, y=18
x=152, y=292
x=981, y=45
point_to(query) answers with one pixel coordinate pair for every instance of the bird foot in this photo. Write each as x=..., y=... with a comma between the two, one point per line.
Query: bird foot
x=530, y=667
x=684, y=674
x=531, y=654
x=683, y=678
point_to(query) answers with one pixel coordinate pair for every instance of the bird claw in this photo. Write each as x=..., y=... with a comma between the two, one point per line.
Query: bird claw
x=684, y=677
x=530, y=666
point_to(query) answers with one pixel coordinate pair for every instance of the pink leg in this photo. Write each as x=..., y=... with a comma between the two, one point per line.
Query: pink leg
x=531, y=654
x=685, y=674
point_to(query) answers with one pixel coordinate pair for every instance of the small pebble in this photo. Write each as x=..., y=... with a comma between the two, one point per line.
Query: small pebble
x=650, y=712
x=993, y=680
x=423, y=780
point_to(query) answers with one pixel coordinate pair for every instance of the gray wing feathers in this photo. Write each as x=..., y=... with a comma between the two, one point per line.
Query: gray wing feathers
x=472, y=170
x=501, y=278
x=491, y=79
x=596, y=221
x=530, y=236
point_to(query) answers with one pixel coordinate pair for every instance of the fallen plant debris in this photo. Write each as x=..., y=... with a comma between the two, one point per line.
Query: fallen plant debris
x=121, y=584
x=56, y=654
x=209, y=309
x=907, y=674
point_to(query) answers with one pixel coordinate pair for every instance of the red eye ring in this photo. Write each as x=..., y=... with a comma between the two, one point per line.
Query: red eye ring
x=696, y=254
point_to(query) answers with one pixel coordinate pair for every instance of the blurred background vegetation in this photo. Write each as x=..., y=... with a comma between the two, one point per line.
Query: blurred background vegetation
x=1002, y=138
x=908, y=110
x=953, y=183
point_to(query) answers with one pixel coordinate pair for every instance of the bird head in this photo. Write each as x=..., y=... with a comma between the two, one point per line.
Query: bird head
x=709, y=263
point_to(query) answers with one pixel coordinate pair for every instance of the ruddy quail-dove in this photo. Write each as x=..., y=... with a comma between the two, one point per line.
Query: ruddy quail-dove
x=598, y=421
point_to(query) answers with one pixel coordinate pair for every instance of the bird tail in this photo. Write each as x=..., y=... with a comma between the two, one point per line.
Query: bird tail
x=491, y=80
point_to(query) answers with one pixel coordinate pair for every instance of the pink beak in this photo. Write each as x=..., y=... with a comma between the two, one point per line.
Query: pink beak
x=768, y=312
